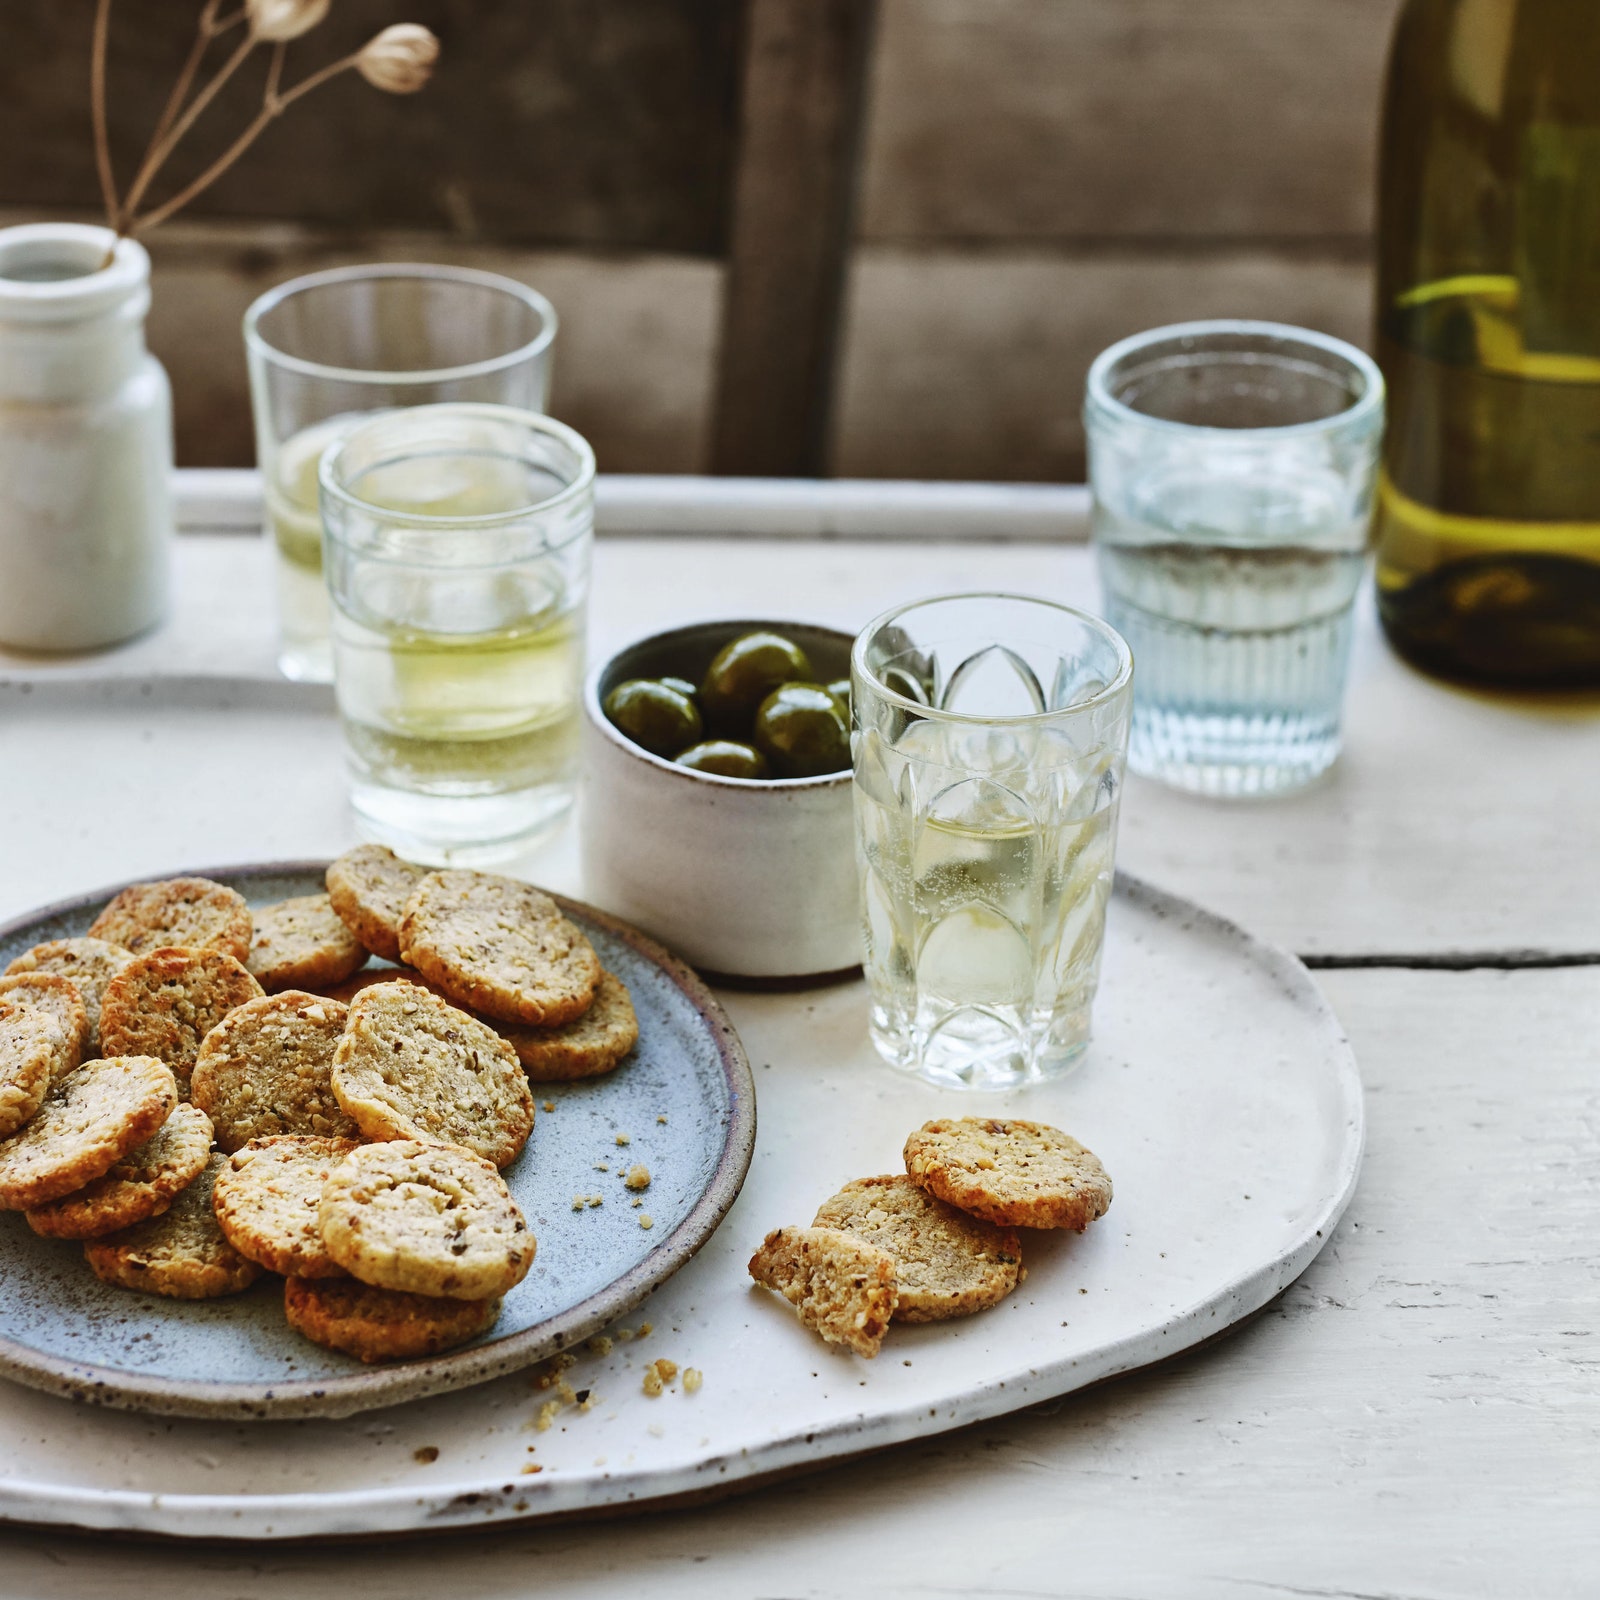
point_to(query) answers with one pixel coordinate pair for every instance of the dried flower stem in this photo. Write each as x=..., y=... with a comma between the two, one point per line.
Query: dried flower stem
x=397, y=60
x=160, y=149
x=273, y=105
x=97, y=104
x=209, y=27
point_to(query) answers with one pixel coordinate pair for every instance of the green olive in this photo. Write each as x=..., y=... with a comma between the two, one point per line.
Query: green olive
x=801, y=731
x=840, y=690
x=683, y=686
x=726, y=758
x=652, y=715
x=743, y=673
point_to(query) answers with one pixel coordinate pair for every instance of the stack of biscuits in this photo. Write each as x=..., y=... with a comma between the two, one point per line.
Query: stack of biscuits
x=200, y=1093
x=939, y=1240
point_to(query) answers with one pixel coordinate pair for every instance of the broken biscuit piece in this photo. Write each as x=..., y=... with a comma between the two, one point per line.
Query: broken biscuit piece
x=842, y=1287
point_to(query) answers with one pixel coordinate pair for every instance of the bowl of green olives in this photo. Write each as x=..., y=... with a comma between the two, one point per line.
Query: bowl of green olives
x=716, y=797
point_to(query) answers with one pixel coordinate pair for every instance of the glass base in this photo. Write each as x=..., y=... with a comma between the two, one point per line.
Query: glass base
x=1231, y=756
x=974, y=1048
x=457, y=831
x=306, y=661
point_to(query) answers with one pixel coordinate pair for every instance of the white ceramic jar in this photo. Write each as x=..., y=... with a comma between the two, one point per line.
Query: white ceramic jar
x=85, y=442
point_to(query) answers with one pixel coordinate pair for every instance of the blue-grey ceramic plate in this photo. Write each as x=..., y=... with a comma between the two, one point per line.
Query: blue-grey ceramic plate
x=63, y=1330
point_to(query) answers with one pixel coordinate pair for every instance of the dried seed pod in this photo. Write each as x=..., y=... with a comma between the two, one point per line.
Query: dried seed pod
x=400, y=59
x=280, y=20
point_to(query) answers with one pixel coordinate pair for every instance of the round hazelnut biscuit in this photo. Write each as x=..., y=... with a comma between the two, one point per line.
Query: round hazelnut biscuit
x=500, y=946
x=303, y=944
x=266, y=1200
x=425, y=1219
x=88, y=1122
x=368, y=888
x=142, y=1184
x=948, y=1264
x=193, y=913
x=267, y=1068
x=380, y=1324
x=412, y=1066
x=90, y=964
x=182, y=1253
x=592, y=1045
x=30, y=1046
x=163, y=1004
x=1014, y=1173
x=59, y=998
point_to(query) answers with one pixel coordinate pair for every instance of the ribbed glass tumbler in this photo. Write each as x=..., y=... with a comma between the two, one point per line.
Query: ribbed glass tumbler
x=989, y=737
x=1233, y=466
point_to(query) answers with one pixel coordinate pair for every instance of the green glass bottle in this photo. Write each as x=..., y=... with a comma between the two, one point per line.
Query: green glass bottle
x=1488, y=326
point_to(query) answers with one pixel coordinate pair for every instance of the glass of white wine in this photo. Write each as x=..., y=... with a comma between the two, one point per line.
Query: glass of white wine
x=989, y=738
x=328, y=351
x=457, y=541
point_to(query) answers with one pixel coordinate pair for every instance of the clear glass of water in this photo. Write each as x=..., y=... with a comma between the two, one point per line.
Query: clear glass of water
x=329, y=350
x=457, y=554
x=1233, y=465
x=989, y=733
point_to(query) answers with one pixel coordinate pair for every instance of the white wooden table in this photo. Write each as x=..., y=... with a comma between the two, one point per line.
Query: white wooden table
x=1419, y=1416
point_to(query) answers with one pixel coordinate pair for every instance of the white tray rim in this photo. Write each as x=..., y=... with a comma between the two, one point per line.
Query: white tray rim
x=475, y=1503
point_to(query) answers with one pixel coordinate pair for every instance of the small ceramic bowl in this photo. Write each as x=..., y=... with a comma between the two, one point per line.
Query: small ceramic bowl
x=742, y=879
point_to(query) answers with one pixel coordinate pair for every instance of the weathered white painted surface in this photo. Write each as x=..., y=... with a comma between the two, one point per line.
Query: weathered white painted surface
x=1416, y=1419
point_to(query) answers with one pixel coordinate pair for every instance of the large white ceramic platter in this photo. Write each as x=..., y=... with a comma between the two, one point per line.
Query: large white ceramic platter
x=1219, y=1090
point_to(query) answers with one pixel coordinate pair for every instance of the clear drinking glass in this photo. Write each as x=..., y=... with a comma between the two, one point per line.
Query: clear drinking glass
x=328, y=350
x=1233, y=465
x=457, y=548
x=989, y=733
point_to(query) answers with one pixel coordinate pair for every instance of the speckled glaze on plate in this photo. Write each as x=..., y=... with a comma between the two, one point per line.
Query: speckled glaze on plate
x=64, y=1331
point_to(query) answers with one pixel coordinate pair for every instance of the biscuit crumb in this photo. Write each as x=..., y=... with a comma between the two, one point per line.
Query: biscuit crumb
x=587, y=1399
x=597, y=1200
x=549, y=1105
x=548, y=1373
x=647, y=1222
x=602, y=1166
x=599, y=1345
x=623, y=1138
x=567, y=1392
x=693, y=1377
x=426, y=1455
x=636, y=1202
x=532, y=1467
x=656, y=1431
x=624, y=1334
x=645, y=1329
x=547, y=1415
x=577, y=1202
x=658, y=1375
x=638, y=1176
x=661, y=1118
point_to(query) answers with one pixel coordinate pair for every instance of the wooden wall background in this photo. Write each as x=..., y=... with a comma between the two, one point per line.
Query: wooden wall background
x=1034, y=179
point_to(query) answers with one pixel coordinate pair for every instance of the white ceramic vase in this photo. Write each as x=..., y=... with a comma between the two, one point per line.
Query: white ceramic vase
x=85, y=442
